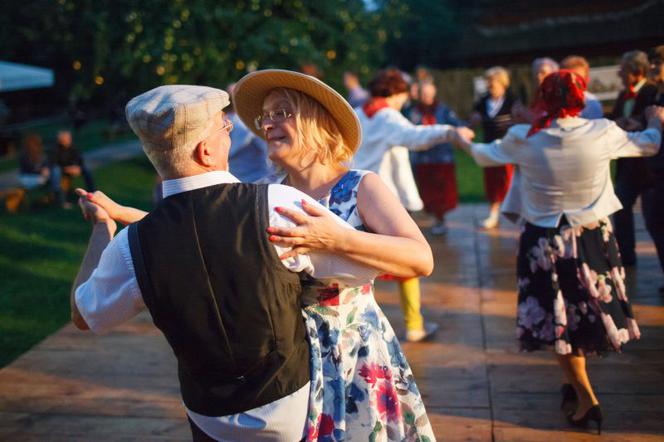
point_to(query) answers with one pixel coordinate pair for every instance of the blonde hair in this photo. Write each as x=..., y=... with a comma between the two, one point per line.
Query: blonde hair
x=499, y=73
x=317, y=130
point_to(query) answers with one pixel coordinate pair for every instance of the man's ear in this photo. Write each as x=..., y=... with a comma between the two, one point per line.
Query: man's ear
x=203, y=154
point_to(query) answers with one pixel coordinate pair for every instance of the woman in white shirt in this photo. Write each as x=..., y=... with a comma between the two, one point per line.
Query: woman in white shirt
x=570, y=278
x=386, y=136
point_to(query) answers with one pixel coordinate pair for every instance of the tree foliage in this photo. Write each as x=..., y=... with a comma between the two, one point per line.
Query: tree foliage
x=108, y=50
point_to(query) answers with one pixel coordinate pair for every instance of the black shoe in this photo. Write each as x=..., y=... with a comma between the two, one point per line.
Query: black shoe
x=594, y=413
x=569, y=397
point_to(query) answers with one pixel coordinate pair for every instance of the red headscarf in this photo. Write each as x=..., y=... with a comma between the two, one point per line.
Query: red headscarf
x=560, y=95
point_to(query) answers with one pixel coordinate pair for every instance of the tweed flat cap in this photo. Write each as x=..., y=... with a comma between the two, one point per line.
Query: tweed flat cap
x=170, y=117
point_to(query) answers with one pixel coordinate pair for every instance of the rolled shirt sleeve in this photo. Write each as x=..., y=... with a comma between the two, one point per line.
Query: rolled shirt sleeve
x=111, y=295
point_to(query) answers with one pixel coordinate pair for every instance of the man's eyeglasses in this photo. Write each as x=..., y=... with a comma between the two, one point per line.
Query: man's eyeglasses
x=276, y=116
x=228, y=126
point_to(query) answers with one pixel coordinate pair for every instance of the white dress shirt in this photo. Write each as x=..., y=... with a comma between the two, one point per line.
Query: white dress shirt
x=564, y=169
x=493, y=106
x=111, y=296
x=389, y=128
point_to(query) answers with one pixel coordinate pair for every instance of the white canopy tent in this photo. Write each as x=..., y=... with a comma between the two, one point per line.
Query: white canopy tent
x=14, y=77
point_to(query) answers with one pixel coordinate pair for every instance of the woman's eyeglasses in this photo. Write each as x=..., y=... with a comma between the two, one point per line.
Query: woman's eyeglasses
x=276, y=116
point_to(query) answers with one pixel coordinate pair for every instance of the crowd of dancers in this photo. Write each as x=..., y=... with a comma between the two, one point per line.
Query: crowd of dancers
x=265, y=291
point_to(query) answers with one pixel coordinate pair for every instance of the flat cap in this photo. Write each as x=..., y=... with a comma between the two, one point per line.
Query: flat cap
x=175, y=116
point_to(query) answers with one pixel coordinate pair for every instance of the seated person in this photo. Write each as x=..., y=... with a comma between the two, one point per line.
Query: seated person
x=33, y=169
x=67, y=161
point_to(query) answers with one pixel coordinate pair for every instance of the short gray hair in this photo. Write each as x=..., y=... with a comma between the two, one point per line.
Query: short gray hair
x=544, y=61
x=636, y=62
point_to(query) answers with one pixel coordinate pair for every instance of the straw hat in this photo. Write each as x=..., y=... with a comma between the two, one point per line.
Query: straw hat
x=250, y=92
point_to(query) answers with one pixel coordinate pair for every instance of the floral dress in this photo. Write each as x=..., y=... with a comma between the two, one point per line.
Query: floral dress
x=572, y=291
x=362, y=388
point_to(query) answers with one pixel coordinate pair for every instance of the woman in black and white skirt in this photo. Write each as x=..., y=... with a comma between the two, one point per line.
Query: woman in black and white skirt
x=570, y=278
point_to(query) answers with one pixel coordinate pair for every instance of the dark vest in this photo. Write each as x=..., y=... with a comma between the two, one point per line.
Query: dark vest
x=217, y=290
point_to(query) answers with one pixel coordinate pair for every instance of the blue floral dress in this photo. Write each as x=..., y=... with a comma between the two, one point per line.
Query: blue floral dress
x=362, y=386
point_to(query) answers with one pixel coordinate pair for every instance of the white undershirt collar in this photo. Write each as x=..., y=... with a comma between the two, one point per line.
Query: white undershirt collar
x=179, y=185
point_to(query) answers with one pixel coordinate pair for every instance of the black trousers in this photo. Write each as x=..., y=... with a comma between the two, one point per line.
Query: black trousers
x=652, y=201
x=631, y=182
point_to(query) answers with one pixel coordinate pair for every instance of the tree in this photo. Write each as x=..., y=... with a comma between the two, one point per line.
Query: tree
x=105, y=51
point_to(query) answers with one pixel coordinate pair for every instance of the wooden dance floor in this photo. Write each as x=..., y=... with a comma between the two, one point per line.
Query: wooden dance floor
x=476, y=385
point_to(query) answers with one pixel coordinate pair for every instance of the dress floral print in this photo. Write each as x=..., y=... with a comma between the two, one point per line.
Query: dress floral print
x=572, y=291
x=362, y=387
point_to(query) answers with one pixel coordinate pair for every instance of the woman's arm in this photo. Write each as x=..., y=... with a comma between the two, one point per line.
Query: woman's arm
x=123, y=214
x=402, y=132
x=397, y=246
x=637, y=144
x=499, y=152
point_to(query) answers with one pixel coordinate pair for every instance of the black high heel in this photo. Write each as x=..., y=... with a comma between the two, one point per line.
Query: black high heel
x=569, y=396
x=594, y=413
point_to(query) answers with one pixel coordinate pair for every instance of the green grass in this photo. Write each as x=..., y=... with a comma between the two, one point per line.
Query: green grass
x=470, y=181
x=41, y=251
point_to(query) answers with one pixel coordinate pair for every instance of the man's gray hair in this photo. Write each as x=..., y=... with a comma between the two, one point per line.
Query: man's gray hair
x=636, y=62
x=544, y=61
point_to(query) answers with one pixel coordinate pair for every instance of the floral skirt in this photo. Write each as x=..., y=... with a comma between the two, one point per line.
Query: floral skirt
x=571, y=290
x=362, y=388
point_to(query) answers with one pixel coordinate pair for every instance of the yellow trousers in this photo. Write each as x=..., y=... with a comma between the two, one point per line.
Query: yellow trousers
x=409, y=296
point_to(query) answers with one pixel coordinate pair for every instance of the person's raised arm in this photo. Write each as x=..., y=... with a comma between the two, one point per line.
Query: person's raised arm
x=498, y=152
x=397, y=246
x=125, y=215
x=636, y=144
x=103, y=229
x=402, y=132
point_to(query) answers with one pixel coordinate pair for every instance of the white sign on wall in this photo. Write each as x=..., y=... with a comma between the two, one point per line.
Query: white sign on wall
x=604, y=83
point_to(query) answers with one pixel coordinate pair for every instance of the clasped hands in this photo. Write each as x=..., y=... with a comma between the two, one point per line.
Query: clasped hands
x=463, y=137
x=94, y=212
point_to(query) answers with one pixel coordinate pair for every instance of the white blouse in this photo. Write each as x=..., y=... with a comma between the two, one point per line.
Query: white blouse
x=388, y=128
x=564, y=169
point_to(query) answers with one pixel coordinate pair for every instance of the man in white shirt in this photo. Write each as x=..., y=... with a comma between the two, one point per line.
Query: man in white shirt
x=202, y=264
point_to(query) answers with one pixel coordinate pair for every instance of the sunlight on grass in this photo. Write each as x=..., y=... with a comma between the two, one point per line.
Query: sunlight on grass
x=41, y=252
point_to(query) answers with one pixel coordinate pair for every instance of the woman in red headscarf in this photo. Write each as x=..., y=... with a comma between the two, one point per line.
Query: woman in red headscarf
x=572, y=294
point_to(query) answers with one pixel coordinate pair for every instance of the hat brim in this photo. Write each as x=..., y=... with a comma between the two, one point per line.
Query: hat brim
x=250, y=92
